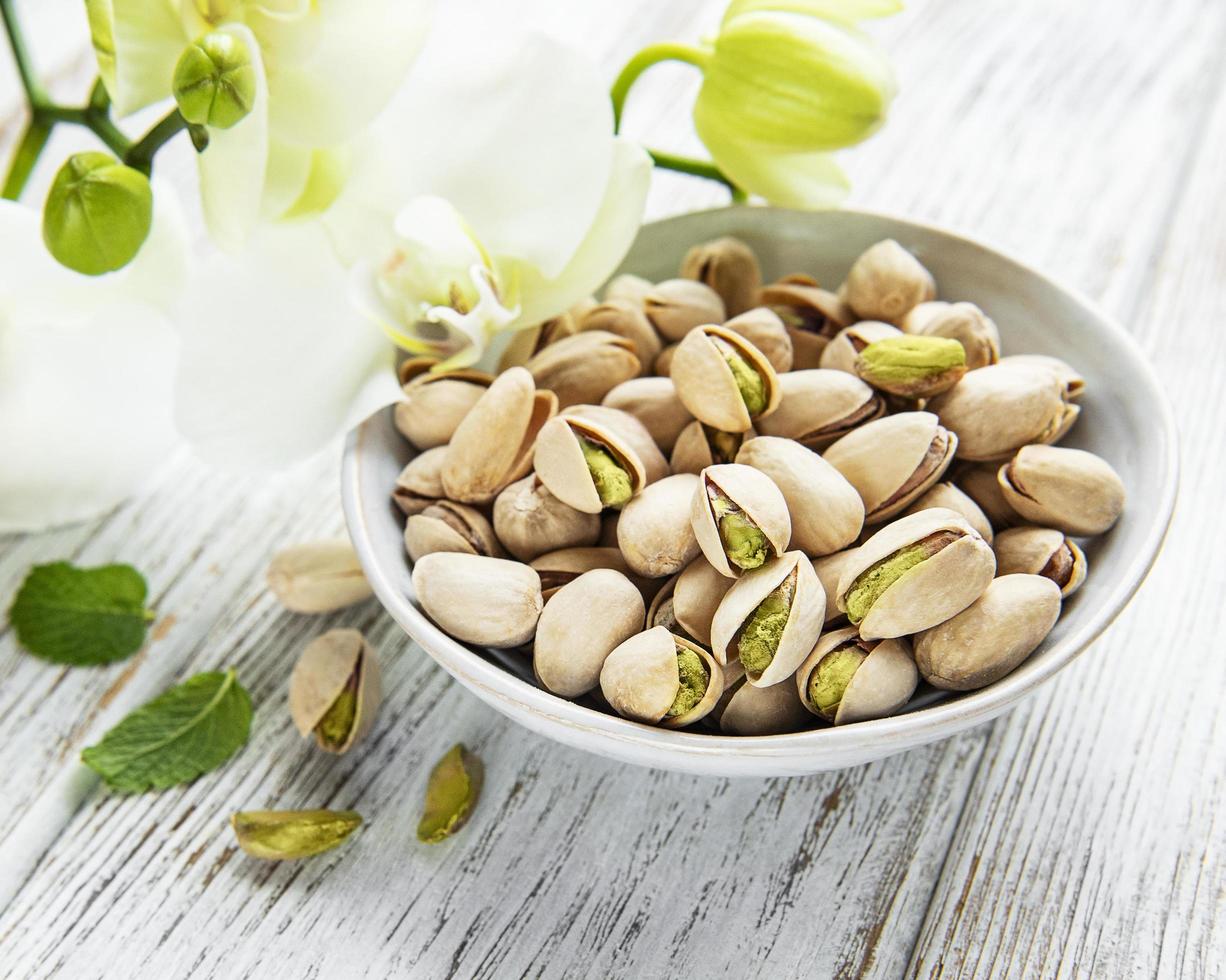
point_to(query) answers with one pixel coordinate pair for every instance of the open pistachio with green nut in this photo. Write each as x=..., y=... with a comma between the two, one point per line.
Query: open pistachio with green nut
x=662, y=679
x=335, y=690
x=586, y=465
x=740, y=518
x=723, y=379
x=846, y=678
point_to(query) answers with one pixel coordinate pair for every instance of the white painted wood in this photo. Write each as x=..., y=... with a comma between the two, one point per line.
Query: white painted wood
x=1079, y=836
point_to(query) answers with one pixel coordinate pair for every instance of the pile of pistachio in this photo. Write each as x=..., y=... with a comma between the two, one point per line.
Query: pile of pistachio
x=750, y=505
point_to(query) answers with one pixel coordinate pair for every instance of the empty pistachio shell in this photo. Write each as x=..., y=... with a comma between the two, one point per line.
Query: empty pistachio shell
x=810, y=315
x=630, y=431
x=654, y=530
x=967, y=324
x=420, y=483
x=844, y=349
x=676, y=306
x=728, y=266
x=530, y=341
x=886, y=282
x=1069, y=376
x=318, y=576
x=584, y=368
x=1041, y=551
x=448, y=526
x=892, y=461
x=287, y=835
x=434, y=403
x=915, y=573
x=452, y=791
x=661, y=679
x=696, y=595
x=334, y=690
x=951, y=498
x=978, y=481
x=816, y=407
x=586, y=465
x=827, y=512
x=912, y=366
x=488, y=601
x=626, y=319
x=763, y=328
x=740, y=518
x=654, y=402
x=723, y=379
x=556, y=568
x=700, y=446
x=744, y=709
x=580, y=626
x=992, y=636
x=829, y=569
x=1069, y=489
x=847, y=679
x=530, y=521
x=633, y=289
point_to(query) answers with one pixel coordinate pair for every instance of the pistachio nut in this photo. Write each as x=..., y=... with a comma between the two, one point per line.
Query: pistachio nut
x=492, y=446
x=287, y=835
x=893, y=461
x=816, y=407
x=844, y=348
x=448, y=526
x=420, y=483
x=763, y=328
x=1000, y=408
x=654, y=402
x=915, y=573
x=912, y=366
x=696, y=595
x=744, y=709
x=530, y=521
x=626, y=319
x=992, y=636
x=654, y=531
x=631, y=288
x=723, y=379
x=556, y=568
x=810, y=315
x=1071, y=490
x=700, y=446
x=586, y=465
x=580, y=626
x=318, y=576
x=584, y=368
x=677, y=306
x=664, y=363
x=662, y=679
x=847, y=678
x=915, y=318
x=947, y=495
x=827, y=512
x=1041, y=551
x=968, y=325
x=978, y=481
x=434, y=403
x=829, y=569
x=770, y=619
x=886, y=282
x=1070, y=377
x=452, y=791
x=630, y=431
x=740, y=518
x=526, y=343
x=491, y=602
x=728, y=266
x=335, y=690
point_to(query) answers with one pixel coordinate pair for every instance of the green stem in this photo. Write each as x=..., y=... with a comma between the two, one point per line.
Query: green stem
x=25, y=66
x=32, y=142
x=697, y=168
x=651, y=55
x=140, y=154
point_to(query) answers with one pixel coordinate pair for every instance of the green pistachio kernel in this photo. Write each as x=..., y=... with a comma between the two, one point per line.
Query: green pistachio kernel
x=694, y=677
x=724, y=445
x=911, y=364
x=214, y=81
x=874, y=580
x=748, y=381
x=288, y=835
x=337, y=722
x=744, y=542
x=451, y=793
x=828, y=683
x=611, y=479
x=760, y=636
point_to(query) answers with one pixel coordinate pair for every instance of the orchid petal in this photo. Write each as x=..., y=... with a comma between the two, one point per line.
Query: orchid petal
x=848, y=11
x=137, y=43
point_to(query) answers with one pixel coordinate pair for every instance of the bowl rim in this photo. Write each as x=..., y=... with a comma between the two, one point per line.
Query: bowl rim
x=929, y=722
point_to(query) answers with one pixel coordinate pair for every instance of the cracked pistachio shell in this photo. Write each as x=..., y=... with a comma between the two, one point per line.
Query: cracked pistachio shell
x=968, y=325
x=917, y=316
x=930, y=592
x=879, y=687
x=844, y=348
x=584, y=368
x=829, y=569
x=491, y=602
x=978, y=481
x=530, y=341
x=1070, y=377
x=676, y=306
x=893, y=461
x=816, y=407
x=992, y=636
x=287, y=835
x=744, y=709
x=700, y=446
x=827, y=512
x=530, y=521
x=951, y=498
x=630, y=431
x=556, y=568
x=448, y=526
x=563, y=469
x=434, y=404
x=706, y=385
x=633, y=289
x=810, y=315
x=492, y=446
x=763, y=328
x=753, y=493
x=696, y=595
x=626, y=319
x=654, y=402
x=640, y=679
x=800, y=632
x=1071, y=490
x=660, y=611
x=654, y=531
x=1000, y=408
x=1041, y=551
x=886, y=282
x=318, y=576
x=664, y=363
x=420, y=483
x=581, y=625
x=728, y=266
x=338, y=660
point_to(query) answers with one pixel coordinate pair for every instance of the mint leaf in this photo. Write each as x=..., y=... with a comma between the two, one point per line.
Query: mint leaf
x=82, y=617
x=179, y=735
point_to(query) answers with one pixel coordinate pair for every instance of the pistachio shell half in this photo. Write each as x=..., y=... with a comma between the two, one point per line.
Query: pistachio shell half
x=744, y=709
x=654, y=531
x=969, y=326
x=488, y=601
x=626, y=319
x=1070, y=377
x=763, y=328
x=1071, y=490
x=951, y=498
x=420, y=483
x=556, y=568
x=448, y=526
x=810, y=315
x=728, y=266
x=723, y=379
x=530, y=341
x=587, y=466
x=318, y=576
x=847, y=679
x=978, y=481
x=917, y=316
x=630, y=431
x=886, y=282
x=435, y=403
x=696, y=595
x=739, y=517
x=661, y=679
x=633, y=289
x=700, y=446
x=584, y=368
x=844, y=349
x=1041, y=551
x=654, y=402
x=676, y=306
x=530, y=521
x=661, y=611
x=829, y=569
x=335, y=690
x=816, y=407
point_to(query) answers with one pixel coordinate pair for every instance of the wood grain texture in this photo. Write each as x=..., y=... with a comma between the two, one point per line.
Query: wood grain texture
x=1079, y=836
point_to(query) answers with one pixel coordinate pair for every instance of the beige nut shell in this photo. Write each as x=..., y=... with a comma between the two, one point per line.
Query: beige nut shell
x=696, y=594
x=530, y=521
x=881, y=686
x=626, y=319
x=844, y=349
x=434, y=404
x=947, y=495
x=491, y=602
x=705, y=383
x=676, y=306
x=420, y=483
x=818, y=406
x=583, y=368
x=747, y=710
x=978, y=481
x=971, y=327
x=763, y=328
x=640, y=681
x=1027, y=551
x=829, y=569
x=754, y=493
x=693, y=454
x=1069, y=489
x=654, y=530
x=630, y=431
x=556, y=568
x=886, y=282
x=654, y=402
x=321, y=674
x=1069, y=376
x=435, y=529
x=561, y=466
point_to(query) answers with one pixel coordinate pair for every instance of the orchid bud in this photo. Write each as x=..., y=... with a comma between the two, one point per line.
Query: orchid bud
x=98, y=213
x=214, y=81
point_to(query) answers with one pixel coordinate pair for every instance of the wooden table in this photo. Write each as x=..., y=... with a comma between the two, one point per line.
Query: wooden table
x=1081, y=835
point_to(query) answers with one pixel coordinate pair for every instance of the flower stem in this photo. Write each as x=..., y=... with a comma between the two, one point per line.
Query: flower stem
x=28, y=149
x=651, y=55
x=697, y=168
x=140, y=154
x=25, y=67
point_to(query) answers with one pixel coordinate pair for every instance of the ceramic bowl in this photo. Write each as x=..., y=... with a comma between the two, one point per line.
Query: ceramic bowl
x=1126, y=419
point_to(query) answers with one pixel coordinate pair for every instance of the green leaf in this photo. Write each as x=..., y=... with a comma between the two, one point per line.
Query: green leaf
x=190, y=730
x=82, y=617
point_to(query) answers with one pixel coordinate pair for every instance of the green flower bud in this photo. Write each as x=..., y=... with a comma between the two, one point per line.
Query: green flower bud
x=214, y=81
x=692, y=673
x=98, y=213
x=611, y=480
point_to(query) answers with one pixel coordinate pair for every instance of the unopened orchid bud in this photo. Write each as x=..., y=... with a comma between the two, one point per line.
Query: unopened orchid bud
x=98, y=213
x=214, y=81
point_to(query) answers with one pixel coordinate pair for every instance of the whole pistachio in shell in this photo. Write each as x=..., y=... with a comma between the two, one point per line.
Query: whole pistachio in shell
x=763, y=328
x=816, y=407
x=448, y=526
x=728, y=266
x=912, y=366
x=654, y=402
x=420, y=483
x=723, y=379
x=318, y=576
x=886, y=282
x=827, y=512
x=700, y=446
x=677, y=306
x=696, y=595
x=587, y=466
x=847, y=678
x=530, y=341
x=978, y=481
x=893, y=461
x=661, y=679
x=947, y=495
x=969, y=326
x=334, y=690
x=1070, y=377
x=491, y=602
x=810, y=315
x=1071, y=490
x=740, y=518
x=631, y=288
x=917, y=316
x=770, y=619
x=582, y=369
x=530, y=521
x=435, y=402
x=626, y=319
x=556, y=568
x=581, y=625
x=745, y=709
x=844, y=348
x=829, y=569
x=654, y=531
x=915, y=573
x=992, y=636
x=630, y=431
x=492, y=446
x=661, y=611
x=1041, y=551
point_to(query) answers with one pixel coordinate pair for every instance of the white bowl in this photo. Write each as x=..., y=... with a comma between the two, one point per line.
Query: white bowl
x=1126, y=419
